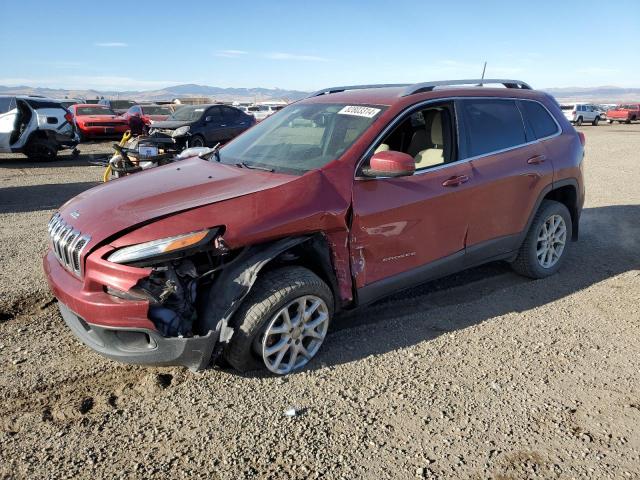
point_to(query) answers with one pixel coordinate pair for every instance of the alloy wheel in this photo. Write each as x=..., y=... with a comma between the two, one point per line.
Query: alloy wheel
x=552, y=237
x=294, y=334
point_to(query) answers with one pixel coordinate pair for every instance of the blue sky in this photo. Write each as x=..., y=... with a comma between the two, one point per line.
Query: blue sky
x=309, y=44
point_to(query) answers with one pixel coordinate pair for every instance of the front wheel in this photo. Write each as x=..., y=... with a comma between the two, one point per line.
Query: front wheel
x=282, y=323
x=196, y=141
x=545, y=246
x=610, y=122
x=595, y=121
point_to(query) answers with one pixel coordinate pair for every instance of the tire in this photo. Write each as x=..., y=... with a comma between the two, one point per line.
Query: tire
x=595, y=121
x=41, y=149
x=579, y=121
x=272, y=292
x=527, y=262
x=610, y=122
x=627, y=122
x=197, y=141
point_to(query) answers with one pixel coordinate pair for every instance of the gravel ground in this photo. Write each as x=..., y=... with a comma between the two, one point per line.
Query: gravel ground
x=481, y=375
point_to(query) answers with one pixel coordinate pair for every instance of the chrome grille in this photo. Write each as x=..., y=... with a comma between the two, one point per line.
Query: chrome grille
x=67, y=244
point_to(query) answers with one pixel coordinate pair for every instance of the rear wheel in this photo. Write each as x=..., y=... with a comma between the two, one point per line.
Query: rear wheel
x=595, y=121
x=579, y=121
x=282, y=323
x=41, y=149
x=545, y=246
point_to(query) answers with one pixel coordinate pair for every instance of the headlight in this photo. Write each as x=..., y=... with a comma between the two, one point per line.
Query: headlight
x=180, y=131
x=154, y=248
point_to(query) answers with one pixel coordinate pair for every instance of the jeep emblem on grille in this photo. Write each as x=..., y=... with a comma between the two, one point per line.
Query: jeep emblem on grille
x=75, y=214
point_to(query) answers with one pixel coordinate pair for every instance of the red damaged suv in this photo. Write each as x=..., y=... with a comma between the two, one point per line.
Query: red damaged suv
x=337, y=200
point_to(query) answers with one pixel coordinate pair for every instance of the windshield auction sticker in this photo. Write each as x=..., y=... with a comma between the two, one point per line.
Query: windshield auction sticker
x=368, y=112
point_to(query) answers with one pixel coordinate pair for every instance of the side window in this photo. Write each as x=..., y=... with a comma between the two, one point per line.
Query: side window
x=538, y=118
x=491, y=125
x=426, y=135
x=5, y=104
x=215, y=115
x=231, y=116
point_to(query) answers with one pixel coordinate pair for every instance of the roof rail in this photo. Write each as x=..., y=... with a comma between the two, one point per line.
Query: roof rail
x=479, y=82
x=326, y=91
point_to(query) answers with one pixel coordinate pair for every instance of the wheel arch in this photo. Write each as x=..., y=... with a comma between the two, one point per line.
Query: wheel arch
x=566, y=192
x=234, y=283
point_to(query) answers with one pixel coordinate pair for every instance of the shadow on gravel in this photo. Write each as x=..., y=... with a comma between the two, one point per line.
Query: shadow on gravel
x=68, y=160
x=32, y=198
x=609, y=245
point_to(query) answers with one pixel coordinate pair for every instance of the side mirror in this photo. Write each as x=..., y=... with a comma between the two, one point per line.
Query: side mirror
x=391, y=164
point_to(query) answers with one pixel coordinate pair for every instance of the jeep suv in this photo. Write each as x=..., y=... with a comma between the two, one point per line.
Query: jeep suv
x=36, y=126
x=353, y=193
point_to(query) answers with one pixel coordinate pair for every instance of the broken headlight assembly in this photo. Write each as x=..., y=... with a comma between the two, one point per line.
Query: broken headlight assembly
x=155, y=248
x=182, y=269
x=178, y=132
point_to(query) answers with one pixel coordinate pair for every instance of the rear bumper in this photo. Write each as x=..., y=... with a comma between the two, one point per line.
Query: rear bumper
x=104, y=131
x=141, y=346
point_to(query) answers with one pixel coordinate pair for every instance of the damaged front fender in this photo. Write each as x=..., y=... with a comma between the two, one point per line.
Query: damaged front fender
x=234, y=283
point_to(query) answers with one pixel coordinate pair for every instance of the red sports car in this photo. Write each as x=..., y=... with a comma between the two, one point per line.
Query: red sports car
x=97, y=121
x=148, y=113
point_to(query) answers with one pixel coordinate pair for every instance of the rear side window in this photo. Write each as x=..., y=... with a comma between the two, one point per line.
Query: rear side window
x=539, y=119
x=5, y=104
x=491, y=125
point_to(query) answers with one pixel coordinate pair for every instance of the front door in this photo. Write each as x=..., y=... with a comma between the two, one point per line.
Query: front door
x=406, y=229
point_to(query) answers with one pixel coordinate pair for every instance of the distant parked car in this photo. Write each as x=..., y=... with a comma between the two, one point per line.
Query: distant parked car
x=118, y=106
x=148, y=113
x=624, y=113
x=67, y=102
x=36, y=126
x=204, y=125
x=579, y=113
x=95, y=121
x=260, y=112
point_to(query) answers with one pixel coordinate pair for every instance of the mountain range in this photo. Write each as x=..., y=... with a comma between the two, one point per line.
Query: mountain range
x=605, y=94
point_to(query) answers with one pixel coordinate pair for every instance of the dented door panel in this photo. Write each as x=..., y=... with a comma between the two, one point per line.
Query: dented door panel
x=403, y=223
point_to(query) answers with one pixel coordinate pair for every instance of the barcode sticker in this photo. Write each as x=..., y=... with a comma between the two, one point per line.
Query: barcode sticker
x=368, y=112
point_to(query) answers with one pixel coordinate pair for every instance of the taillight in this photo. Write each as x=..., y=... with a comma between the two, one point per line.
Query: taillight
x=582, y=139
x=68, y=117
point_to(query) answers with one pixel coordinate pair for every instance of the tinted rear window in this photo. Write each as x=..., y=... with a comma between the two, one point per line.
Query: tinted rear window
x=491, y=125
x=539, y=118
x=567, y=107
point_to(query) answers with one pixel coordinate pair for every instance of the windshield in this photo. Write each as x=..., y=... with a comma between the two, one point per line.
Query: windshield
x=301, y=137
x=156, y=110
x=187, y=113
x=94, y=111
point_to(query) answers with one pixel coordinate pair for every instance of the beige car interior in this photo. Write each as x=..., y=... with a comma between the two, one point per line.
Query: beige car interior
x=419, y=136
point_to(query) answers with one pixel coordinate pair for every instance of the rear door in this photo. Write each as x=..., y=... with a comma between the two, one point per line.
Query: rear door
x=510, y=168
x=236, y=122
x=8, y=116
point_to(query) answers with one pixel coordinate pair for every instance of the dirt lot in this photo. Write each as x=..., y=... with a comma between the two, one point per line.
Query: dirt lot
x=482, y=375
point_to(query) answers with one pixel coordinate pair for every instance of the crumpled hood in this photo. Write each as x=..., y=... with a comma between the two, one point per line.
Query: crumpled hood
x=171, y=124
x=110, y=208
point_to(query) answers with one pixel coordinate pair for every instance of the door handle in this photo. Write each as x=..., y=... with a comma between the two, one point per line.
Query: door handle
x=455, y=181
x=537, y=160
